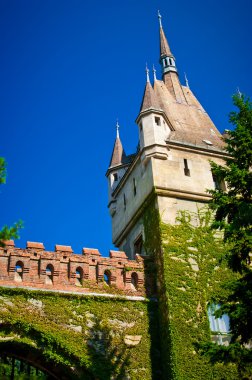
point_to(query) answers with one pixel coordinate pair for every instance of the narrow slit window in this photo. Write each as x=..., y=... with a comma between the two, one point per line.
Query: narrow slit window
x=134, y=187
x=115, y=177
x=124, y=201
x=186, y=168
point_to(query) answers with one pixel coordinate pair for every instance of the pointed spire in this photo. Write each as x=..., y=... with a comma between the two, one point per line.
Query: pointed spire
x=186, y=81
x=147, y=73
x=117, y=129
x=167, y=59
x=118, y=154
x=154, y=73
x=165, y=50
x=150, y=100
x=160, y=19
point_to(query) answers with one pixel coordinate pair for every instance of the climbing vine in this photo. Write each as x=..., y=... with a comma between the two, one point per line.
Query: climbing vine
x=190, y=273
x=93, y=336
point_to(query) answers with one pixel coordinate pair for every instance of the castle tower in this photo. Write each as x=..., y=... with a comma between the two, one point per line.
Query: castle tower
x=177, y=139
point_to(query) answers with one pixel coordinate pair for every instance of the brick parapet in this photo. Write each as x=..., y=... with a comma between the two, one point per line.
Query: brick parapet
x=64, y=270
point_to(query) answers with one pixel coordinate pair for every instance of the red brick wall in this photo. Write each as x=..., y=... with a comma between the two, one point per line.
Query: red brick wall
x=67, y=267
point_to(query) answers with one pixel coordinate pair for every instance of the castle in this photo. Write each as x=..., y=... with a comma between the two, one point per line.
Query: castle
x=148, y=337
x=177, y=139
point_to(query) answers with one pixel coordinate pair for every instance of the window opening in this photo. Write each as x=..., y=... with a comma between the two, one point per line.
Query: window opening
x=124, y=201
x=78, y=276
x=134, y=281
x=157, y=120
x=170, y=61
x=220, y=328
x=138, y=245
x=134, y=187
x=49, y=275
x=186, y=169
x=219, y=183
x=115, y=177
x=107, y=277
x=19, y=269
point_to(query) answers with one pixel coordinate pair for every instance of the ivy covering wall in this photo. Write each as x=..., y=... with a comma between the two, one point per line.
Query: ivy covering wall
x=87, y=337
x=190, y=274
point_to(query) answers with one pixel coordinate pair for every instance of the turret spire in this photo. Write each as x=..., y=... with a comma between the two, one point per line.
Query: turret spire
x=118, y=154
x=186, y=81
x=167, y=59
x=160, y=19
x=147, y=73
x=154, y=73
x=117, y=129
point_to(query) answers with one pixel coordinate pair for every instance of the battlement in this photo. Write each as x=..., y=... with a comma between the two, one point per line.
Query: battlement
x=62, y=269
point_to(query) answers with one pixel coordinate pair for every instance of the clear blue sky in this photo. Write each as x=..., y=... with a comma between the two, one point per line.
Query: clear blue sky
x=69, y=69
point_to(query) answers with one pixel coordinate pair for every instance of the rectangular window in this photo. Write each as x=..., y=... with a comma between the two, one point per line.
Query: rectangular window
x=134, y=187
x=124, y=201
x=186, y=169
x=115, y=177
x=220, y=329
x=157, y=120
x=219, y=183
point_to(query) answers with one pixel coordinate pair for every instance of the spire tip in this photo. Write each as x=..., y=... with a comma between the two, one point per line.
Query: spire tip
x=154, y=73
x=117, y=129
x=186, y=80
x=160, y=19
x=147, y=73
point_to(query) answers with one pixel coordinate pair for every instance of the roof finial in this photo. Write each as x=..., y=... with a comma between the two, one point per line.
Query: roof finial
x=239, y=92
x=160, y=19
x=147, y=73
x=117, y=129
x=154, y=73
x=186, y=80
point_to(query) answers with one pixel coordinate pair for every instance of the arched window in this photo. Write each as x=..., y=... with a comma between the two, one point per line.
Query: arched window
x=78, y=276
x=219, y=327
x=19, y=269
x=49, y=274
x=107, y=277
x=134, y=281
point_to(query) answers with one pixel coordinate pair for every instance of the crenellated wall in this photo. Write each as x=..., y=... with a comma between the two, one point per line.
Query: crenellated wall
x=64, y=270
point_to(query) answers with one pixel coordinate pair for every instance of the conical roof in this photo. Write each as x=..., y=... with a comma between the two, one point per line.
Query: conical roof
x=164, y=46
x=149, y=99
x=118, y=154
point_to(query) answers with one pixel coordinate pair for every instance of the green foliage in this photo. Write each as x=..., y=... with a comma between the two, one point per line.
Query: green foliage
x=83, y=335
x=7, y=233
x=234, y=216
x=234, y=207
x=190, y=274
x=2, y=170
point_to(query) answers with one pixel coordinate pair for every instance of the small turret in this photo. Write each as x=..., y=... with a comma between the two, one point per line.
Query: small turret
x=119, y=163
x=152, y=123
